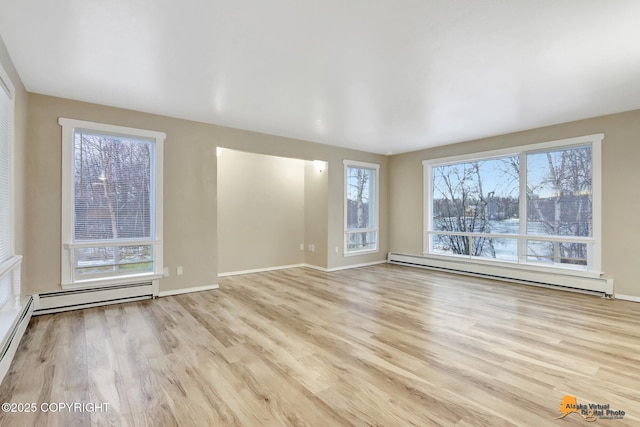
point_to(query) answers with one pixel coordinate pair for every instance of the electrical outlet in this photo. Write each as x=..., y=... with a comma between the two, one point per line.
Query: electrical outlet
x=179, y=270
x=165, y=272
x=337, y=249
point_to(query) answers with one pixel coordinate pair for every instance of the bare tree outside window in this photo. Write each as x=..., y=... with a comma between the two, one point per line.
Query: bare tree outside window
x=112, y=201
x=361, y=221
x=477, y=198
x=474, y=197
x=560, y=203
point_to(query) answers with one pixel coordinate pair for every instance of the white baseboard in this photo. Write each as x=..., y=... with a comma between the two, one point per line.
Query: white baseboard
x=315, y=267
x=188, y=290
x=259, y=270
x=344, y=267
x=627, y=297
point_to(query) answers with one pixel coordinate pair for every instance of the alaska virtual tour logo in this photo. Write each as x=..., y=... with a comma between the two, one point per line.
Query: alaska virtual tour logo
x=590, y=411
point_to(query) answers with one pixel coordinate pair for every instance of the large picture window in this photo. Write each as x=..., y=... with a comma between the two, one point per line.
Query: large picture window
x=112, y=207
x=536, y=205
x=361, y=207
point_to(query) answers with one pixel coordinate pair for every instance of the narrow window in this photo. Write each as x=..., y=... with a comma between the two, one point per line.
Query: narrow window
x=361, y=207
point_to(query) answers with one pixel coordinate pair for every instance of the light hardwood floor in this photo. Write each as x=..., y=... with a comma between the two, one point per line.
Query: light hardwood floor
x=383, y=345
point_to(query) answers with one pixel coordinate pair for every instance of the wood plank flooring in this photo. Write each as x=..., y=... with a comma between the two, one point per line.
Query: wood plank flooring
x=382, y=346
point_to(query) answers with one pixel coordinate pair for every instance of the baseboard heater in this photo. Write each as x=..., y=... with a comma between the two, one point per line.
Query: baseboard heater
x=12, y=338
x=560, y=280
x=54, y=302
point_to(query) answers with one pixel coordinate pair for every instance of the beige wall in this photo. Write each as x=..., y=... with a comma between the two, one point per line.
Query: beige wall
x=19, y=143
x=316, y=220
x=269, y=237
x=285, y=147
x=260, y=211
x=620, y=178
x=190, y=190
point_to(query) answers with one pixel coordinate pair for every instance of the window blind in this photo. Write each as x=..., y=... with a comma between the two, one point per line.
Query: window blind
x=113, y=202
x=112, y=187
x=5, y=210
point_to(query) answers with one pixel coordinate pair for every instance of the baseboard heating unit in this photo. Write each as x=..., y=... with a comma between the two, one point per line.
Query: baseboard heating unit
x=53, y=302
x=11, y=336
x=561, y=280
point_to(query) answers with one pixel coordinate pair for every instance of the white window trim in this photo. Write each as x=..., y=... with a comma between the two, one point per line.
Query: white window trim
x=594, y=140
x=376, y=167
x=69, y=126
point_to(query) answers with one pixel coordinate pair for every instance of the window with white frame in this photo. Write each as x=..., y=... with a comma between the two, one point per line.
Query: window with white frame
x=9, y=262
x=112, y=203
x=360, y=207
x=535, y=205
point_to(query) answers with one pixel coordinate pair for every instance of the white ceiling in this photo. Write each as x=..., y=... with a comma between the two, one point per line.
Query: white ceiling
x=385, y=76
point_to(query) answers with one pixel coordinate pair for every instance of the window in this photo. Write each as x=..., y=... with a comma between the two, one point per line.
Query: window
x=9, y=262
x=361, y=207
x=536, y=205
x=112, y=203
